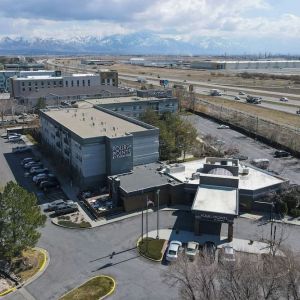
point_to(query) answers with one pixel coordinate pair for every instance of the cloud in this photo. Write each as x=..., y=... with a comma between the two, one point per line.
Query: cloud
x=185, y=19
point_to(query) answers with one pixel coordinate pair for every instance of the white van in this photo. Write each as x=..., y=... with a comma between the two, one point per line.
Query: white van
x=262, y=163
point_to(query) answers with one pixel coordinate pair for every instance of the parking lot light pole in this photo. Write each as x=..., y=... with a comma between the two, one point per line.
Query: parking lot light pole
x=157, y=223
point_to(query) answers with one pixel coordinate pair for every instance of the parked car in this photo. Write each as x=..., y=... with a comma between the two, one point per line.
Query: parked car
x=49, y=184
x=240, y=157
x=21, y=149
x=241, y=93
x=284, y=99
x=31, y=164
x=192, y=250
x=13, y=134
x=222, y=126
x=173, y=249
x=227, y=254
x=237, y=98
x=281, y=153
x=36, y=170
x=49, y=177
x=28, y=159
x=209, y=248
x=60, y=203
x=41, y=176
x=64, y=210
x=14, y=138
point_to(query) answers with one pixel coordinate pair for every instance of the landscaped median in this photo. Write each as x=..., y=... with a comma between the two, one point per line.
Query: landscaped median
x=74, y=221
x=151, y=248
x=96, y=288
x=32, y=262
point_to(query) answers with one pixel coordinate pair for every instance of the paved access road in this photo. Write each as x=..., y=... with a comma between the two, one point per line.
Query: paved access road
x=285, y=167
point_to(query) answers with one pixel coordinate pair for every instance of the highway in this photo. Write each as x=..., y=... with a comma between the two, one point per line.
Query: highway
x=286, y=167
x=267, y=101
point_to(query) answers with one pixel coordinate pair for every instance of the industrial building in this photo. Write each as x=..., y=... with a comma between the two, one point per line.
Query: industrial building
x=135, y=106
x=245, y=65
x=215, y=189
x=23, y=66
x=97, y=62
x=6, y=75
x=96, y=142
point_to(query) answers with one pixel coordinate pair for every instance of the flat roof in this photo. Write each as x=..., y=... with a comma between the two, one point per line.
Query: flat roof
x=33, y=77
x=131, y=99
x=144, y=177
x=216, y=199
x=92, y=122
x=256, y=179
x=244, y=61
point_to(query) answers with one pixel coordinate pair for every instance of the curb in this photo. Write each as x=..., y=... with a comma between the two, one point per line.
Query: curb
x=66, y=227
x=40, y=271
x=149, y=258
x=101, y=298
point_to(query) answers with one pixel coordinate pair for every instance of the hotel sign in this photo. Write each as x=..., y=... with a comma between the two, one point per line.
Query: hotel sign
x=121, y=151
x=214, y=218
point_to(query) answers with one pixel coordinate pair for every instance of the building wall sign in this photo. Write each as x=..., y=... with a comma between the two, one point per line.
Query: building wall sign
x=121, y=151
x=214, y=218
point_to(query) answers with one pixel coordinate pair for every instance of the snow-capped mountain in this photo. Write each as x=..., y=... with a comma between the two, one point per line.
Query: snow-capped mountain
x=141, y=43
x=136, y=43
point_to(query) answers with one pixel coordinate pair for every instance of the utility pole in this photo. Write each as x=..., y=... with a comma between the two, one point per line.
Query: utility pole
x=142, y=218
x=147, y=225
x=157, y=223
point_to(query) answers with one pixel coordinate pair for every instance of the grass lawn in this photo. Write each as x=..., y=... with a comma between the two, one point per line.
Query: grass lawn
x=34, y=259
x=154, y=248
x=93, y=289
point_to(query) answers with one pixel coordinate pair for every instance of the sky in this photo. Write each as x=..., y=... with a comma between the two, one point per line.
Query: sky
x=180, y=19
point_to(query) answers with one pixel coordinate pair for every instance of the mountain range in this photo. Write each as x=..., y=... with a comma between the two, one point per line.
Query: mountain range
x=143, y=43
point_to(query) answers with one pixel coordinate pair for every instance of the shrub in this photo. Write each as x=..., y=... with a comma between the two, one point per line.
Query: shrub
x=282, y=207
x=295, y=213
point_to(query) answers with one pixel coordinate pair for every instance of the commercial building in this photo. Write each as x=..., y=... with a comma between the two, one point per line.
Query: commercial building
x=108, y=77
x=135, y=106
x=215, y=189
x=97, y=62
x=24, y=66
x=28, y=90
x=245, y=65
x=96, y=142
x=6, y=75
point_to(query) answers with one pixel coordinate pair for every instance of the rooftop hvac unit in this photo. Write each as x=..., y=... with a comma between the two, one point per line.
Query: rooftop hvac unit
x=244, y=171
x=195, y=175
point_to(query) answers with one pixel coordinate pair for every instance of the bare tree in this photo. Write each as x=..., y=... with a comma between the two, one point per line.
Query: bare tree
x=196, y=280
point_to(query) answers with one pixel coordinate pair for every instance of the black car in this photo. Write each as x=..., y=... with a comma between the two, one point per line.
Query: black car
x=240, y=157
x=281, y=153
x=49, y=184
x=48, y=177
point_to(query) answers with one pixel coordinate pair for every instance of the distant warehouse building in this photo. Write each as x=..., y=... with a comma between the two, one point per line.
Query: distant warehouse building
x=96, y=142
x=245, y=65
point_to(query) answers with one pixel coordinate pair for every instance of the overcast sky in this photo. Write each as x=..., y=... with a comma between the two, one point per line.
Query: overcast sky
x=182, y=19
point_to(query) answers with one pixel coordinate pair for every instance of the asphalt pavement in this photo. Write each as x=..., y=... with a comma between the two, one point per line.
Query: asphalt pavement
x=288, y=167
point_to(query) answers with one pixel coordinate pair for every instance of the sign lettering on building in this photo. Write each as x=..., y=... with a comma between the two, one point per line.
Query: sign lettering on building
x=121, y=151
x=215, y=218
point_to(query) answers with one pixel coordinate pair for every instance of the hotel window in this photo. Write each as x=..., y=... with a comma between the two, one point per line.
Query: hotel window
x=36, y=83
x=29, y=83
x=72, y=83
x=60, y=83
x=23, y=83
x=77, y=82
x=67, y=83
x=89, y=83
x=83, y=83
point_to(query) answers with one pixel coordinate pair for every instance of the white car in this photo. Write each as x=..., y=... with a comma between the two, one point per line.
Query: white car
x=241, y=93
x=60, y=203
x=237, y=98
x=192, y=249
x=172, y=252
x=227, y=254
x=14, y=138
x=284, y=99
x=223, y=127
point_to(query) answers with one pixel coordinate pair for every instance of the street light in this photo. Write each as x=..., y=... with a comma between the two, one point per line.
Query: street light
x=157, y=219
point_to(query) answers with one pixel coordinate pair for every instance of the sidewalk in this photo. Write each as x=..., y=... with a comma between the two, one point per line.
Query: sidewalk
x=187, y=236
x=259, y=217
